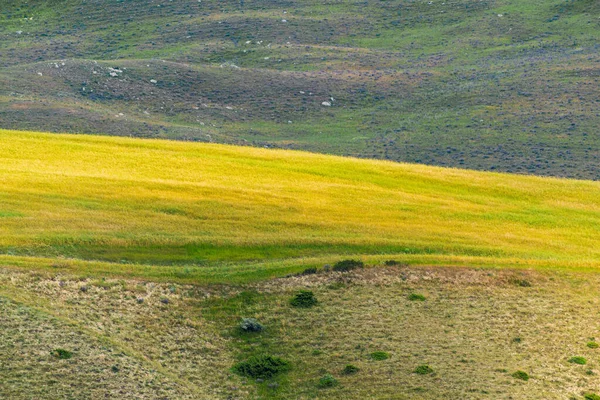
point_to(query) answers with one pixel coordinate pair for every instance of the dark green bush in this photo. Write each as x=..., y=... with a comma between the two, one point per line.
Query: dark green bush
x=62, y=354
x=350, y=369
x=416, y=297
x=380, y=355
x=309, y=271
x=347, y=265
x=327, y=381
x=261, y=366
x=250, y=325
x=423, y=370
x=304, y=299
x=522, y=375
x=591, y=396
x=578, y=360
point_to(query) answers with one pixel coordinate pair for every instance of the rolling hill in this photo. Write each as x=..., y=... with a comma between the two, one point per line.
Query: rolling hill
x=170, y=203
x=127, y=265
x=505, y=85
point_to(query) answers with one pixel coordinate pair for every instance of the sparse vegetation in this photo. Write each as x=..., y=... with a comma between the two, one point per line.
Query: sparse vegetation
x=591, y=396
x=593, y=345
x=304, y=299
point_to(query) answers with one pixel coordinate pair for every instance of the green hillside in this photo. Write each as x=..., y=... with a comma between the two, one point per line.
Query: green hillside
x=170, y=203
x=506, y=85
x=127, y=266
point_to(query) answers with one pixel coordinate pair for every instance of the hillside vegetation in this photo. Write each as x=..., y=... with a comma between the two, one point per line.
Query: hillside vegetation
x=507, y=85
x=128, y=265
x=204, y=205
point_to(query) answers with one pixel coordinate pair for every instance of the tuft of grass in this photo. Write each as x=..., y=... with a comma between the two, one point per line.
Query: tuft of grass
x=591, y=396
x=522, y=375
x=416, y=297
x=350, y=369
x=327, y=381
x=379, y=355
x=304, y=299
x=261, y=367
x=593, y=345
x=62, y=354
x=423, y=370
x=578, y=360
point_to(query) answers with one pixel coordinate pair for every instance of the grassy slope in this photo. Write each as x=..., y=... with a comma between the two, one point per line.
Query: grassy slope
x=202, y=205
x=506, y=85
x=211, y=222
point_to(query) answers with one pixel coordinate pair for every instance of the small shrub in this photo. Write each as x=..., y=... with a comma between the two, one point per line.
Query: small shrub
x=347, y=265
x=327, y=381
x=517, y=340
x=304, y=299
x=380, y=355
x=250, y=325
x=309, y=271
x=416, y=297
x=350, y=369
x=591, y=396
x=522, y=375
x=423, y=370
x=593, y=345
x=261, y=367
x=62, y=354
x=578, y=360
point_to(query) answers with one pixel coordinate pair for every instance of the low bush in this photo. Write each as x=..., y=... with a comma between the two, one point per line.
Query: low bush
x=593, y=345
x=423, y=370
x=327, y=381
x=578, y=360
x=262, y=366
x=522, y=375
x=380, y=355
x=347, y=265
x=416, y=297
x=62, y=354
x=250, y=325
x=350, y=369
x=309, y=271
x=591, y=396
x=304, y=299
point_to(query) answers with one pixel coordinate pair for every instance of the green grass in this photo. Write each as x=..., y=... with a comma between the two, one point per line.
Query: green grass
x=216, y=213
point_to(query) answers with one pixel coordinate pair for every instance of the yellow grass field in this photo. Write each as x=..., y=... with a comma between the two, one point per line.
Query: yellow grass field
x=156, y=202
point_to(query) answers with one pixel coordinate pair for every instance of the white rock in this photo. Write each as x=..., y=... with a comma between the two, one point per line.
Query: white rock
x=153, y=81
x=326, y=104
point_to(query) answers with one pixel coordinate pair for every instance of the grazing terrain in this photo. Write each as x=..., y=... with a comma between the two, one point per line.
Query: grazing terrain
x=505, y=85
x=128, y=265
